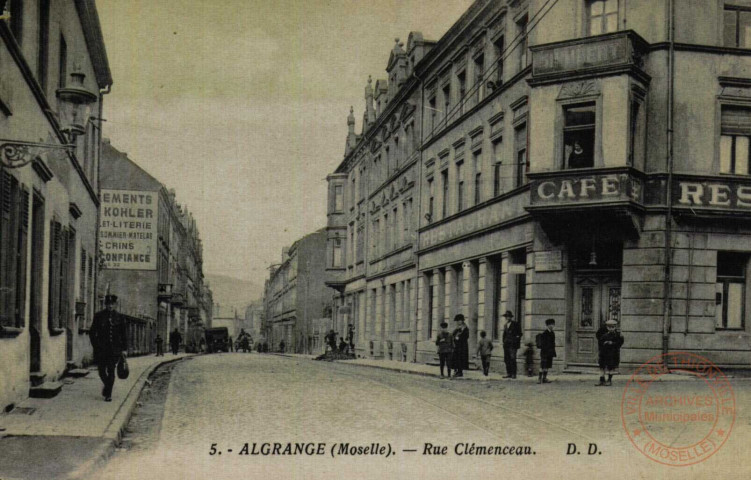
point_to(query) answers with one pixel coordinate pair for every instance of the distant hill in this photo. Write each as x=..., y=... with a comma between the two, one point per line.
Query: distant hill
x=231, y=293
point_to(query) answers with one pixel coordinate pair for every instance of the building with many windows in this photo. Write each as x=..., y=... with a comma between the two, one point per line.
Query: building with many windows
x=53, y=75
x=295, y=295
x=151, y=256
x=582, y=160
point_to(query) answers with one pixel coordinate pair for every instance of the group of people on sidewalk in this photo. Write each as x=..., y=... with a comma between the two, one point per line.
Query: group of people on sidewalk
x=453, y=349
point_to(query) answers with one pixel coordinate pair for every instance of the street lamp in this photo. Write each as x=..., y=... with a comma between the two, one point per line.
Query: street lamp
x=74, y=106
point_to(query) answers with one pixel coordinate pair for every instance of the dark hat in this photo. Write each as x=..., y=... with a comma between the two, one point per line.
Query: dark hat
x=444, y=324
x=508, y=314
x=550, y=321
x=109, y=299
x=459, y=317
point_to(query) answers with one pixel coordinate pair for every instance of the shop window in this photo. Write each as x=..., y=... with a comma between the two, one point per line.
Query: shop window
x=602, y=16
x=579, y=135
x=730, y=290
x=734, y=140
x=737, y=26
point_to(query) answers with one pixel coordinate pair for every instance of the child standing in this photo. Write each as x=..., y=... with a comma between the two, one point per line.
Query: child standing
x=609, y=341
x=445, y=348
x=484, y=347
x=546, y=344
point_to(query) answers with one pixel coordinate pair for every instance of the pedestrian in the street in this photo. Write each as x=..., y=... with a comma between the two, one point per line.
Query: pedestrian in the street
x=331, y=340
x=512, y=336
x=351, y=337
x=460, y=358
x=445, y=343
x=159, y=345
x=282, y=345
x=342, y=345
x=484, y=348
x=546, y=344
x=108, y=335
x=609, y=341
x=174, y=341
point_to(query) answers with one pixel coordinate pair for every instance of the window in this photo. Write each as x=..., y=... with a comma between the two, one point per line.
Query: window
x=499, y=46
x=479, y=76
x=462, y=80
x=431, y=199
x=446, y=100
x=396, y=153
x=353, y=193
x=737, y=28
x=338, y=198
x=520, y=142
x=62, y=70
x=521, y=27
x=14, y=226
x=734, y=140
x=633, y=124
x=386, y=233
x=37, y=252
x=730, y=290
x=43, y=47
x=395, y=230
x=460, y=187
x=603, y=16
x=445, y=185
x=57, y=309
x=477, y=160
x=375, y=234
x=406, y=209
x=579, y=135
x=497, y=184
x=433, y=112
x=360, y=244
x=430, y=292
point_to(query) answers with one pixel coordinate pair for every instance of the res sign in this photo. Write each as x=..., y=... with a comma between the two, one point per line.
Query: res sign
x=712, y=194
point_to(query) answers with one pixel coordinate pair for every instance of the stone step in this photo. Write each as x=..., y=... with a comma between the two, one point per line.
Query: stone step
x=46, y=390
x=77, y=372
x=36, y=378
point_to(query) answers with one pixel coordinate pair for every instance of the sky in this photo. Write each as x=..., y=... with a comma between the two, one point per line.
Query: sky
x=241, y=106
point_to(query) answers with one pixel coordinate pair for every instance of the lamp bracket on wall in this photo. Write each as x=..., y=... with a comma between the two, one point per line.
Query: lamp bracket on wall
x=16, y=153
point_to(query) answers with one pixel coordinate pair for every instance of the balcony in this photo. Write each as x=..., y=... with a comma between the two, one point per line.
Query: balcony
x=620, y=52
x=164, y=291
x=580, y=199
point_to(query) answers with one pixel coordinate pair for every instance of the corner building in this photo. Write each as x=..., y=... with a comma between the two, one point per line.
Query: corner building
x=573, y=159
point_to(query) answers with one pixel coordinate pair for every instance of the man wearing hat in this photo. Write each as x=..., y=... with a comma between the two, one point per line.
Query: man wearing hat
x=609, y=341
x=512, y=336
x=108, y=335
x=460, y=357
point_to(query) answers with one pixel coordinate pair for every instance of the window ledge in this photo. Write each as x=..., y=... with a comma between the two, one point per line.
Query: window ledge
x=56, y=331
x=10, y=332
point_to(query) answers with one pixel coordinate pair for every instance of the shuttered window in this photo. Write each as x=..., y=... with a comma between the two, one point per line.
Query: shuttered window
x=14, y=224
x=735, y=140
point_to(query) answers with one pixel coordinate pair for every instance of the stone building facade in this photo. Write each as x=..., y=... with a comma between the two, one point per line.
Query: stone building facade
x=54, y=75
x=161, y=290
x=581, y=160
x=295, y=294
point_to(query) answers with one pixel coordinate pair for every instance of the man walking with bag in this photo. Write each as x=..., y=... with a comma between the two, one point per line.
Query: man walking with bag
x=108, y=335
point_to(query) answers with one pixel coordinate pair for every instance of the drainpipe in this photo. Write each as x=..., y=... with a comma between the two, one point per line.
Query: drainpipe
x=669, y=187
x=418, y=182
x=97, y=256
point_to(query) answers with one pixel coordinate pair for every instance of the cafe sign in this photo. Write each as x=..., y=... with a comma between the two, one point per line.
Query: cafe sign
x=598, y=188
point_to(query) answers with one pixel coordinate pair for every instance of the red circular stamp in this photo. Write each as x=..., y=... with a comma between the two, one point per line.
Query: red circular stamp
x=678, y=423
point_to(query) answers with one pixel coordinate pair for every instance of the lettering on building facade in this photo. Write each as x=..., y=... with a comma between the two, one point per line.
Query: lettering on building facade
x=128, y=229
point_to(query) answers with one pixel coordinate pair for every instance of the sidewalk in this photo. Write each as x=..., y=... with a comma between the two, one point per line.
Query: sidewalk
x=66, y=436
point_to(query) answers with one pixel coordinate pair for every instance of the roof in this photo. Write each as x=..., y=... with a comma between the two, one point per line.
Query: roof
x=92, y=32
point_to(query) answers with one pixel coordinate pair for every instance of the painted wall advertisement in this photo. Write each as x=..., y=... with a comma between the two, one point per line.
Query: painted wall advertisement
x=128, y=229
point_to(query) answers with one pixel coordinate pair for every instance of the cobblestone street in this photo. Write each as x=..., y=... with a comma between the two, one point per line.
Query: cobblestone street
x=233, y=399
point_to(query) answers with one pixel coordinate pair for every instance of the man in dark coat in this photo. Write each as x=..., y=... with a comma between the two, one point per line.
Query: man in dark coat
x=108, y=335
x=159, y=345
x=512, y=337
x=174, y=341
x=460, y=357
x=546, y=343
x=609, y=341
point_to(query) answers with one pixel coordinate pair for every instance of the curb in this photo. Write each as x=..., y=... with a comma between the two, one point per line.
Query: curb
x=113, y=434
